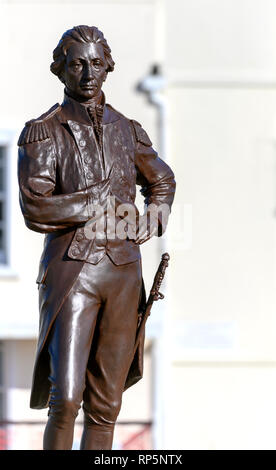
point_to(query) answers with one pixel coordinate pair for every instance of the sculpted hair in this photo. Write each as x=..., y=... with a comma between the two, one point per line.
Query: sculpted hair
x=79, y=34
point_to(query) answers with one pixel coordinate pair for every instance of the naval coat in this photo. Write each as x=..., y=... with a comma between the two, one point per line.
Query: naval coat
x=62, y=173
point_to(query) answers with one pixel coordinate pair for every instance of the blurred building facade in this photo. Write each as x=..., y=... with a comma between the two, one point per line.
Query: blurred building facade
x=210, y=376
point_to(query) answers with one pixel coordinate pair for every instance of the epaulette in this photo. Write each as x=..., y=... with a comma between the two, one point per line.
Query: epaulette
x=140, y=134
x=36, y=130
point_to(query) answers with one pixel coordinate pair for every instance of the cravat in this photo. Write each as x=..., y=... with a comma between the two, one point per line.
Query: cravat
x=96, y=116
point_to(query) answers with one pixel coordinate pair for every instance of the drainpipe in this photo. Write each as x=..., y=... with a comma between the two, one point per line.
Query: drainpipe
x=152, y=86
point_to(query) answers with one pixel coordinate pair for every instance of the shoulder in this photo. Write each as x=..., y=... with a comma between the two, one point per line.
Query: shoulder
x=114, y=112
x=139, y=133
x=113, y=115
x=37, y=130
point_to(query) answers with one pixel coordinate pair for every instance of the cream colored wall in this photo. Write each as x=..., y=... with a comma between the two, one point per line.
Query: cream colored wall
x=227, y=406
x=221, y=91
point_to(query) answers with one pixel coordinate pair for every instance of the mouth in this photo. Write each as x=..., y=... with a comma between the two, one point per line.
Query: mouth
x=89, y=86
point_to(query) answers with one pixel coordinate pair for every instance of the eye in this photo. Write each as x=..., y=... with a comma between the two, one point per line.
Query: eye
x=97, y=64
x=75, y=65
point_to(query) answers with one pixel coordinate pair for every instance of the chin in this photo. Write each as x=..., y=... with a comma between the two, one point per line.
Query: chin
x=82, y=95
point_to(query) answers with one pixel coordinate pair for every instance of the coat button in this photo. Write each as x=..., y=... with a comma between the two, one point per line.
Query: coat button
x=86, y=160
x=89, y=175
x=75, y=252
x=82, y=143
x=79, y=237
x=76, y=127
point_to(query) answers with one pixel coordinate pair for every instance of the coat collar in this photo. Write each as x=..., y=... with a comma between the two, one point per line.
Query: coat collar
x=75, y=111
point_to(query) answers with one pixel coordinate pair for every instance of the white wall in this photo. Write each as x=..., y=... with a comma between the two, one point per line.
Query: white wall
x=221, y=69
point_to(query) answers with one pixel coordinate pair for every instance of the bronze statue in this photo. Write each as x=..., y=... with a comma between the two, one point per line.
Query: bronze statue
x=72, y=160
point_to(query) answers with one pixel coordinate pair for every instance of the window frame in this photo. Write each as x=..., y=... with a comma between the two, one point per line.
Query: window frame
x=4, y=202
x=8, y=139
x=3, y=388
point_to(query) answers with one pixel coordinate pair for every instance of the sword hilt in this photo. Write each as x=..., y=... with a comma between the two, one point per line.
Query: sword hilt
x=164, y=263
x=154, y=293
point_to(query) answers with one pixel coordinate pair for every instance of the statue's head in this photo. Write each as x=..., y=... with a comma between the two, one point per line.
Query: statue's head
x=82, y=60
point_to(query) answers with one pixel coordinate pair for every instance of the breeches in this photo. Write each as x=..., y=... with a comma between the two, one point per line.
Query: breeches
x=91, y=347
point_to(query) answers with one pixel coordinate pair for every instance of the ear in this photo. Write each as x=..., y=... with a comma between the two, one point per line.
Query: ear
x=61, y=76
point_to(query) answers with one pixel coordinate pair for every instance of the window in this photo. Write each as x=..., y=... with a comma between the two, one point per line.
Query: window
x=3, y=204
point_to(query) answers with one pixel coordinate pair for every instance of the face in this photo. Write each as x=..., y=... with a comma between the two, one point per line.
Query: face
x=85, y=70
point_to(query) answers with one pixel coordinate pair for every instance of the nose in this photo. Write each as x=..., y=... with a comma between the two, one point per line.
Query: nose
x=88, y=73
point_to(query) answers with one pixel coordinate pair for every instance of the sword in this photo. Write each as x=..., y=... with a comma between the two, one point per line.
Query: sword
x=153, y=296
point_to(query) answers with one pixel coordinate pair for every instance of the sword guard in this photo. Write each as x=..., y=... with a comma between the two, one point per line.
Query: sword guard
x=156, y=295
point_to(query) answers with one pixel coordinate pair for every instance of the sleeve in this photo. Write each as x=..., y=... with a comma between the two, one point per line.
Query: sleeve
x=44, y=211
x=153, y=175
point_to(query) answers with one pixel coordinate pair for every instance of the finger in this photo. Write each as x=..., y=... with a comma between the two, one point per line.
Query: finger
x=142, y=232
x=146, y=236
x=144, y=240
x=141, y=237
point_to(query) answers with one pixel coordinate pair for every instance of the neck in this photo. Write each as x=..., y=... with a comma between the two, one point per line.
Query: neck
x=92, y=101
